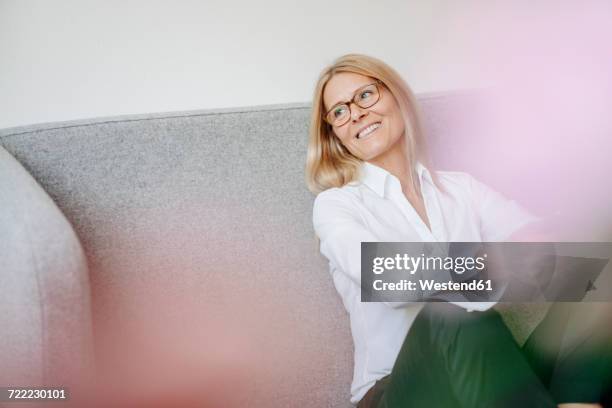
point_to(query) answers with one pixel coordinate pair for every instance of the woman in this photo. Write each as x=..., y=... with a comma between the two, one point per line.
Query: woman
x=367, y=161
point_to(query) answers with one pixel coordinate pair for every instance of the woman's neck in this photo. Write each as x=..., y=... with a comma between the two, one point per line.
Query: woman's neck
x=396, y=162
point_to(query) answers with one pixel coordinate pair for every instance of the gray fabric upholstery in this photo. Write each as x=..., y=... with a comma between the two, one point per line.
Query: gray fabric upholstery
x=197, y=230
x=45, y=312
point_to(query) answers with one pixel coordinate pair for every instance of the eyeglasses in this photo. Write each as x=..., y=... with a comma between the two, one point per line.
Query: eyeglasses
x=365, y=97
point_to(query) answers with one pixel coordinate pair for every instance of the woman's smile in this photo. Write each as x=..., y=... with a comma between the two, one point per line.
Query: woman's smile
x=368, y=130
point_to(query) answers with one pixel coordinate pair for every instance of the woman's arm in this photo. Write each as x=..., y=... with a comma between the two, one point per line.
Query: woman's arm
x=341, y=231
x=500, y=218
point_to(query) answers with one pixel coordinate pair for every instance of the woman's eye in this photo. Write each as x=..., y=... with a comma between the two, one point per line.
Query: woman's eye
x=339, y=111
x=365, y=94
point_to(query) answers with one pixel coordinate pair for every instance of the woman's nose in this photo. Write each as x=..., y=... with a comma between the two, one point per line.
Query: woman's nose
x=357, y=112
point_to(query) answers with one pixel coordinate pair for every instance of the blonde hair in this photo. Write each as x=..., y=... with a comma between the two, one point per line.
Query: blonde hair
x=328, y=163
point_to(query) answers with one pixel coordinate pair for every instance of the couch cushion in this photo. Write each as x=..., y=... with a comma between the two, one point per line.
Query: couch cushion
x=44, y=295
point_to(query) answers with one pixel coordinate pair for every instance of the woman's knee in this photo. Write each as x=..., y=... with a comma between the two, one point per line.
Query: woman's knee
x=447, y=315
x=449, y=324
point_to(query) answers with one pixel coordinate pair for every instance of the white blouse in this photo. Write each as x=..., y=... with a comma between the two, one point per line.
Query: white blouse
x=374, y=209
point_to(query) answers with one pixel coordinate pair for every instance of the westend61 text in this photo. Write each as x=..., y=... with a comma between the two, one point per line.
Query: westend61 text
x=430, y=284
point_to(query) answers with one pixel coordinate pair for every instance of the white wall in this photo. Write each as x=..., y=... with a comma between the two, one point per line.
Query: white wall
x=70, y=59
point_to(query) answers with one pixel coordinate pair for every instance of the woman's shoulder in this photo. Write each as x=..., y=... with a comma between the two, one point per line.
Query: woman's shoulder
x=334, y=196
x=336, y=201
x=347, y=192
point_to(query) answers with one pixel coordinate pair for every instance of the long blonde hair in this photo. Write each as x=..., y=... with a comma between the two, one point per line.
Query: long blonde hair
x=328, y=163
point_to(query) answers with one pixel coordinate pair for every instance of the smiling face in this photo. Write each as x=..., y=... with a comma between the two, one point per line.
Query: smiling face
x=372, y=133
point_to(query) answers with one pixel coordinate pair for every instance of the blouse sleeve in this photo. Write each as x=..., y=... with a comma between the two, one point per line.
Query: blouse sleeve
x=499, y=216
x=341, y=232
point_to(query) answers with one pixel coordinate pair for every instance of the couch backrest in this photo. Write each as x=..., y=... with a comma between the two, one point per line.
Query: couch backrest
x=197, y=231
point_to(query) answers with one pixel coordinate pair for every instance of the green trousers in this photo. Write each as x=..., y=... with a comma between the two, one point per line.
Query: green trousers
x=454, y=358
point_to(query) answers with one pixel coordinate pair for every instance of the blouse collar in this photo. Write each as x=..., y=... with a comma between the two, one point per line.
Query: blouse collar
x=376, y=177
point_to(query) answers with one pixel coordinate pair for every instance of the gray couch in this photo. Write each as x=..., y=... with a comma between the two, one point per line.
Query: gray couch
x=173, y=254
